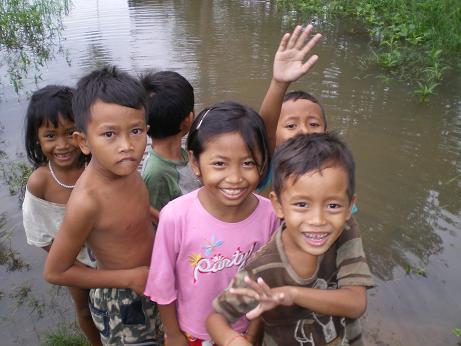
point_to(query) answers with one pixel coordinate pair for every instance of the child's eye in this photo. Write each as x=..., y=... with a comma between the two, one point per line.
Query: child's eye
x=49, y=135
x=70, y=132
x=218, y=164
x=108, y=134
x=137, y=131
x=300, y=204
x=249, y=164
x=334, y=206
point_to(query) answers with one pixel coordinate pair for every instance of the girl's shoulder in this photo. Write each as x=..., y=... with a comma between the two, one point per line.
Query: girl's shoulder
x=264, y=204
x=38, y=181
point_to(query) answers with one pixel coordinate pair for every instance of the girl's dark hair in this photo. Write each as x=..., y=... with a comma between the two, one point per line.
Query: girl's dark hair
x=110, y=85
x=303, y=95
x=305, y=153
x=45, y=105
x=229, y=117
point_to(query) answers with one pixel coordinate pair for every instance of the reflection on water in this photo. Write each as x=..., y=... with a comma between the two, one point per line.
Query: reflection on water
x=408, y=154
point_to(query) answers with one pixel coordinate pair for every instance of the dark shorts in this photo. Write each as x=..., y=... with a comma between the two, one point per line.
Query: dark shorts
x=125, y=318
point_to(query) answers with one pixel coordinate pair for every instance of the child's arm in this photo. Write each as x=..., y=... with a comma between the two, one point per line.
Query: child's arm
x=60, y=267
x=173, y=334
x=288, y=67
x=154, y=215
x=222, y=333
x=347, y=301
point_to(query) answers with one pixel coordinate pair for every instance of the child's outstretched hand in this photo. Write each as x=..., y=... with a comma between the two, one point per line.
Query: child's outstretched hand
x=294, y=48
x=268, y=297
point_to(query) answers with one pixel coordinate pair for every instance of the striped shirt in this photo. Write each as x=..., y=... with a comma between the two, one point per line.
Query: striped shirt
x=344, y=264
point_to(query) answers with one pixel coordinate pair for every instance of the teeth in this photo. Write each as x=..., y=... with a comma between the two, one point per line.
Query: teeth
x=316, y=236
x=232, y=192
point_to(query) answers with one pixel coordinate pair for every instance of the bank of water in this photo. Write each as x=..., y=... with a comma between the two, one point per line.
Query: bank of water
x=407, y=153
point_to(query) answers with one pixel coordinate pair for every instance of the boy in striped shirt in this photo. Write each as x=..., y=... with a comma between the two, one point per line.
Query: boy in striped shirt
x=309, y=282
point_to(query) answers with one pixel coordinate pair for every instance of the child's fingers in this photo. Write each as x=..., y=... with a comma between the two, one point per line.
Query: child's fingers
x=254, y=285
x=294, y=36
x=247, y=292
x=303, y=37
x=311, y=44
x=265, y=288
x=284, y=42
x=255, y=313
x=309, y=63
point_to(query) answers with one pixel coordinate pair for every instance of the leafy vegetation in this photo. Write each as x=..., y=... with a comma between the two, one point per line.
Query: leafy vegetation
x=65, y=336
x=30, y=33
x=415, y=40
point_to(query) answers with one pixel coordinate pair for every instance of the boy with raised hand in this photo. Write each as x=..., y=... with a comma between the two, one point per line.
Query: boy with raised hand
x=170, y=111
x=289, y=66
x=109, y=211
x=309, y=282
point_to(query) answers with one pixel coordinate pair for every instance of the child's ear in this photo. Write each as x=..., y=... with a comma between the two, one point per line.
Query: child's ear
x=187, y=122
x=194, y=164
x=81, y=141
x=351, y=206
x=276, y=205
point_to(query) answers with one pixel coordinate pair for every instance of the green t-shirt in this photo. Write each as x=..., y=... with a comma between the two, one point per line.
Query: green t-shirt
x=167, y=180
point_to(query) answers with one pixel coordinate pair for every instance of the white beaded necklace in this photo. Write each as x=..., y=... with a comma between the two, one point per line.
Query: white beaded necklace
x=57, y=180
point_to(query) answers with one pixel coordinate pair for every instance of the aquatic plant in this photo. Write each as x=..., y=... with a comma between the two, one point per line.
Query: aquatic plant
x=64, y=335
x=8, y=256
x=23, y=296
x=409, y=269
x=30, y=34
x=414, y=40
x=15, y=174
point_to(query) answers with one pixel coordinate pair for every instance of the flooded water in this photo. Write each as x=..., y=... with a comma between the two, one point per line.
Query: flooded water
x=408, y=154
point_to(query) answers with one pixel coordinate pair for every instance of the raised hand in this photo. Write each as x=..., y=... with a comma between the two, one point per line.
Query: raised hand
x=267, y=297
x=294, y=48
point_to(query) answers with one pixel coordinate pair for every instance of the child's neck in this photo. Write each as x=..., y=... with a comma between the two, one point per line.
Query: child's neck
x=303, y=263
x=168, y=148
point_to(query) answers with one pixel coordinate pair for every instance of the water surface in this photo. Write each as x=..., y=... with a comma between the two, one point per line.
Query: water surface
x=407, y=153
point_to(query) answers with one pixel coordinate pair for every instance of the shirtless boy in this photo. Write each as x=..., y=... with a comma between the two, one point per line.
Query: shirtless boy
x=109, y=211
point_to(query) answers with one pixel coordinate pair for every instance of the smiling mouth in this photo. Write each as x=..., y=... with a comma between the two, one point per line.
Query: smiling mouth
x=63, y=156
x=315, y=239
x=233, y=193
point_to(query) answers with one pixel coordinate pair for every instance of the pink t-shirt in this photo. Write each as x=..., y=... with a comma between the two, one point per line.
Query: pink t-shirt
x=195, y=256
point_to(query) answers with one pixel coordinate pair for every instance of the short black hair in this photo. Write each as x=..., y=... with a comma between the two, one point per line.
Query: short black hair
x=230, y=117
x=110, y=85
x=169, y=100
x=45, y=105
x=307, y=152
x=304, y=95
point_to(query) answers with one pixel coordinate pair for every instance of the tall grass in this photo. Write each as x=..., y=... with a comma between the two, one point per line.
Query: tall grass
x=415, y=40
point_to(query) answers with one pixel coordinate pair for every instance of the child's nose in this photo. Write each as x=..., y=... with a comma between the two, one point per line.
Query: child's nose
x=62, y=142
x=234, y=175
x=316, y=216
x=125, y=143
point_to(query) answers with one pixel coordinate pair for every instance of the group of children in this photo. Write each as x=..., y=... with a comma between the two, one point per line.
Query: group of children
x=179, y=255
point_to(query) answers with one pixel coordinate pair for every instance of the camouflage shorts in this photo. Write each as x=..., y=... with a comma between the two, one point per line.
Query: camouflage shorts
x=125, y=318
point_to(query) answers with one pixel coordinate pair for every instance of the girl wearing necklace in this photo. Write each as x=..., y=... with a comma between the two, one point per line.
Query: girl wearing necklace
x=58, y=163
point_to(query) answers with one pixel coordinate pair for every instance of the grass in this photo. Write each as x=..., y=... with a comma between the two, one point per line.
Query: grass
x=23, y=296
x=64, y=335
x=15, y=174
x=417, y=41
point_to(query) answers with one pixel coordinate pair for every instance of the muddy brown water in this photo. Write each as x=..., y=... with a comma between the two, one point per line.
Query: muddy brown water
x=408, y=153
